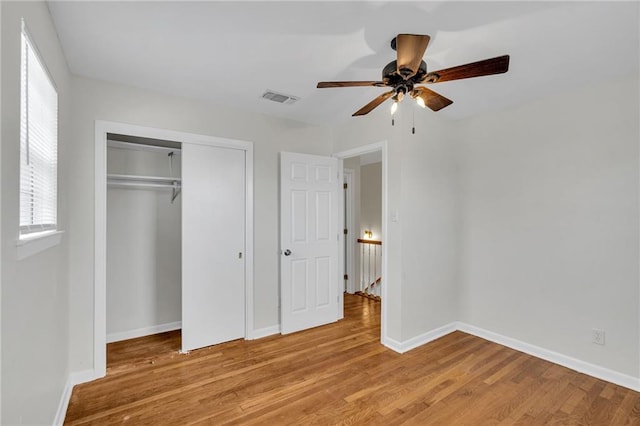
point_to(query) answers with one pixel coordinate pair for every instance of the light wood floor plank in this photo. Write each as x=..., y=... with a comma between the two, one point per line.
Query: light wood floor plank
x=341, y=374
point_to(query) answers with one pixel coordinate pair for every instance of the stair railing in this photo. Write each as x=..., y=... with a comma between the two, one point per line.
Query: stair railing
x=370, y=268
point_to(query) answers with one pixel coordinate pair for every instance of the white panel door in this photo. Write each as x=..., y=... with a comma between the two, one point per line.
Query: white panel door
x=310, y=225
x=213, y=214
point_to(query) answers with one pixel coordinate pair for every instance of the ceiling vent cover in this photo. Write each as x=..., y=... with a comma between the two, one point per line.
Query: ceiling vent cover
x=279, y=97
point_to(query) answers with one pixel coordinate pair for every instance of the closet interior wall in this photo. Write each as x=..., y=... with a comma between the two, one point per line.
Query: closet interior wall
x=143, y=245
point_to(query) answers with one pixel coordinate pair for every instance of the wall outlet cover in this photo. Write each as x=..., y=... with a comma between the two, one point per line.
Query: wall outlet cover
x=597, y=336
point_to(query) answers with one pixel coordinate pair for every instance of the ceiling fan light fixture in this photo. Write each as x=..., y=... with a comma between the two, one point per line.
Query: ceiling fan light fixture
x=409, y=70
x=399, y=95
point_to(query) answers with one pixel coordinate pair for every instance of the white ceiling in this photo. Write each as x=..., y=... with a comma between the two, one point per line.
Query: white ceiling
x=231, y=52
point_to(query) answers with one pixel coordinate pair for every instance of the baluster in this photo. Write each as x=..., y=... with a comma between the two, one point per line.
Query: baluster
x=369, y=284
x=368, y=268
x=375, y=269
x=362, y=268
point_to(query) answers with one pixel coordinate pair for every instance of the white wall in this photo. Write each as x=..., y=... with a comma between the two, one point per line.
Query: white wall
x=422, y=244
x=430, y=225
x=143, y=246
x=550, y=225
x=95, y=100
x=371, y=199
x=35, y=291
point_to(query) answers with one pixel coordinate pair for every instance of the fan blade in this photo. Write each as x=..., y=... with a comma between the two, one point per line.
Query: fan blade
x=433, y=100
x=410, y=50
x=491, y=66
x=374, y=103
x=324, y=84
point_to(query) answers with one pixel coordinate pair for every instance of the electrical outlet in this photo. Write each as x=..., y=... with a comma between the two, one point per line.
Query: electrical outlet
x=597, y=336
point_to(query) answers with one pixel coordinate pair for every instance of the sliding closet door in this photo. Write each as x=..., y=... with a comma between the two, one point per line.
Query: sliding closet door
x=213, y=214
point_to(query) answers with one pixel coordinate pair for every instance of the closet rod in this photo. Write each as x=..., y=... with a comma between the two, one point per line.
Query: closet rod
x=136, y=181
x=141, y=178
x=145, y=184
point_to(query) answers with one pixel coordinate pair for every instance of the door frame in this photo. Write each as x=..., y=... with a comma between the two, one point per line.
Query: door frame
x=355, y=152
x=100, y=222
x=350, y=258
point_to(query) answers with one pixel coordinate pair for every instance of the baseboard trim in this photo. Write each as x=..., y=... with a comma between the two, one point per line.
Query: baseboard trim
x=414, y=342
x=392, y=344
x=72, y=380
x=145, y=331
x=83, y=377
x=580, y=366
x=61, y=412
x=264, y=332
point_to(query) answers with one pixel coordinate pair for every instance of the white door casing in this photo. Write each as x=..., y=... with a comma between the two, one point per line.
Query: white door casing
x=213, y=261
x=352, y=232
x=310, y=225
x=386, y=232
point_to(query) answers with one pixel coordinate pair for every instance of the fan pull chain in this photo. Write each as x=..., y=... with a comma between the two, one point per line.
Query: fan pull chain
x=413, y=121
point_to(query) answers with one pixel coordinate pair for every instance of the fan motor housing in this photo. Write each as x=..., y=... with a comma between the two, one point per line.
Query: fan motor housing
x=391, y=77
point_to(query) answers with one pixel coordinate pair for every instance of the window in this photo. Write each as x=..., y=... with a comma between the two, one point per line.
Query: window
x=38, y=144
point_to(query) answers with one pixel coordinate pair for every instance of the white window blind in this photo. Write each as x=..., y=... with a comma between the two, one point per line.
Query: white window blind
x=38, y=144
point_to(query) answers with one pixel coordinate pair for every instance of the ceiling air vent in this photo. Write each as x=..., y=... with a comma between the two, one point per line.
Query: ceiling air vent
x=279, y=97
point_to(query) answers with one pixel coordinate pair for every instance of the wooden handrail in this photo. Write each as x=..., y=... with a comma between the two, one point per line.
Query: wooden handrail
x=376, y=242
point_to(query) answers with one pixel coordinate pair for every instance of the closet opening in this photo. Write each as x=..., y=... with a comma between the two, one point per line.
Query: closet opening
x=144, y=250
x=173, y=231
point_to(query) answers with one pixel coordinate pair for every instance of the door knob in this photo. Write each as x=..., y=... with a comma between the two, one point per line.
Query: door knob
x=287, y=252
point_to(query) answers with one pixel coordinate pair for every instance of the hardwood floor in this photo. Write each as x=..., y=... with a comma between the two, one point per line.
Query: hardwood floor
x=127, y=354
x=341, y=374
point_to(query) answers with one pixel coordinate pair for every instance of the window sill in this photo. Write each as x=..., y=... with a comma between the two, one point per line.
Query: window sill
x=36, y=243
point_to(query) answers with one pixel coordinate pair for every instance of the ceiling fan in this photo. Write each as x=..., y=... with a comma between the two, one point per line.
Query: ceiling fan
x=404, y=74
